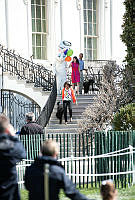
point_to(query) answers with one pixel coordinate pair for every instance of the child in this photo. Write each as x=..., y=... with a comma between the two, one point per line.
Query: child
x=67, y=96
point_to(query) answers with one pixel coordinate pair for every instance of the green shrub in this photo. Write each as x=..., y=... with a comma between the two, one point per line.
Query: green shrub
x=124, y=119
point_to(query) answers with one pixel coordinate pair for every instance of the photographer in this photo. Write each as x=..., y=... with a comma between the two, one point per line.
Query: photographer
x=11, y=152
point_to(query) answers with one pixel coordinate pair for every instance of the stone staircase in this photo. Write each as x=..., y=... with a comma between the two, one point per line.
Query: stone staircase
x=72, y=127
x=66, y=135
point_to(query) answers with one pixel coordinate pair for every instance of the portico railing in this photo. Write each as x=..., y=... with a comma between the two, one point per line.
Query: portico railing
x=24, y=69
x=27, y=70
x=92, y=71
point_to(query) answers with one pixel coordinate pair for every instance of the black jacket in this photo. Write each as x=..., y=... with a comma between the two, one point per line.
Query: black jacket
x=34, y=180
x=11, y=152
x=31, y=128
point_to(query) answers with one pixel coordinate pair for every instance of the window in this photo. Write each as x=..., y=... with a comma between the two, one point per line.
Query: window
x=39, y=44
x=90, y=29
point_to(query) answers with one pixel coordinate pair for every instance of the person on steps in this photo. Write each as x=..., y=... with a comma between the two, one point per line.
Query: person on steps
x=67, y=96
x=75, y=73
x=81, y=65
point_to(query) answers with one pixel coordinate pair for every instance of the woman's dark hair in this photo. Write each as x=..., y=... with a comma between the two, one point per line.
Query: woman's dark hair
x=66, y=83
x=108, y=190
x=77, y=61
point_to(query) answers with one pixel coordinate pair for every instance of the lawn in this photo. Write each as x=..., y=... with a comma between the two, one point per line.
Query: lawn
x=124, y=194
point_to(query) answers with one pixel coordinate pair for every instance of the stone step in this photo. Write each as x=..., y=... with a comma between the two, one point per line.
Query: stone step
x=62, y=126
x=71, y=130
x=89, y=96
x=80, y=100
x=56, y=121
x=75, y=116
x=74, y=109
x=80, y=105
x=74, y=112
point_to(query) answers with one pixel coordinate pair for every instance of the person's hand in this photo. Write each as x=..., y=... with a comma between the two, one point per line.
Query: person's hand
x=10, y=130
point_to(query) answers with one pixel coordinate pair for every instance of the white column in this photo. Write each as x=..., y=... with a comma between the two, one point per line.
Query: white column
x=79, y=8
x=111, y=29
x=61, y=18
x=51, y=30
x=101, y=30
x=57, y=26
x=107, y=29
x=81, y=28
x=29, y=26
x=7, y=25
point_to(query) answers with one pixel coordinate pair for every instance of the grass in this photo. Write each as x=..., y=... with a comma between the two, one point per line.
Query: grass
x=24, y=195
x=123, y=194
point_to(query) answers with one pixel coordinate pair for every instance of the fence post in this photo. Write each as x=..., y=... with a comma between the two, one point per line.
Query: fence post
x=45, y=132
x=133, y=174
x=132, y=162
x=46, y=181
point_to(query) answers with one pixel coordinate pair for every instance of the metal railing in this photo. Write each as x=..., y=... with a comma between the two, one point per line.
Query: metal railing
x=15, y=106
x=93, y=72
x=45, y=114
x=24, y=69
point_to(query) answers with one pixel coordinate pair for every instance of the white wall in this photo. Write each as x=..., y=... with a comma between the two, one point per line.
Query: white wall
x=2, y=23
x=110, y=16
x=19, y=36
x=118, y=47
x=17, y=26
x=71, y=25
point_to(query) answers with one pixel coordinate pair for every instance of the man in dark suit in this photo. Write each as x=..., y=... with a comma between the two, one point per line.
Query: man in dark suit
x=27, y=135
x=31, y=127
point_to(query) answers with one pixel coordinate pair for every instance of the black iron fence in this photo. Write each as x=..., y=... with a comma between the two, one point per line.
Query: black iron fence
x=24, y=69
x=16, y=106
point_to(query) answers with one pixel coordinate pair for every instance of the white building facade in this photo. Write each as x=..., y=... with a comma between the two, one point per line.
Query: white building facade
x=36, y=27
